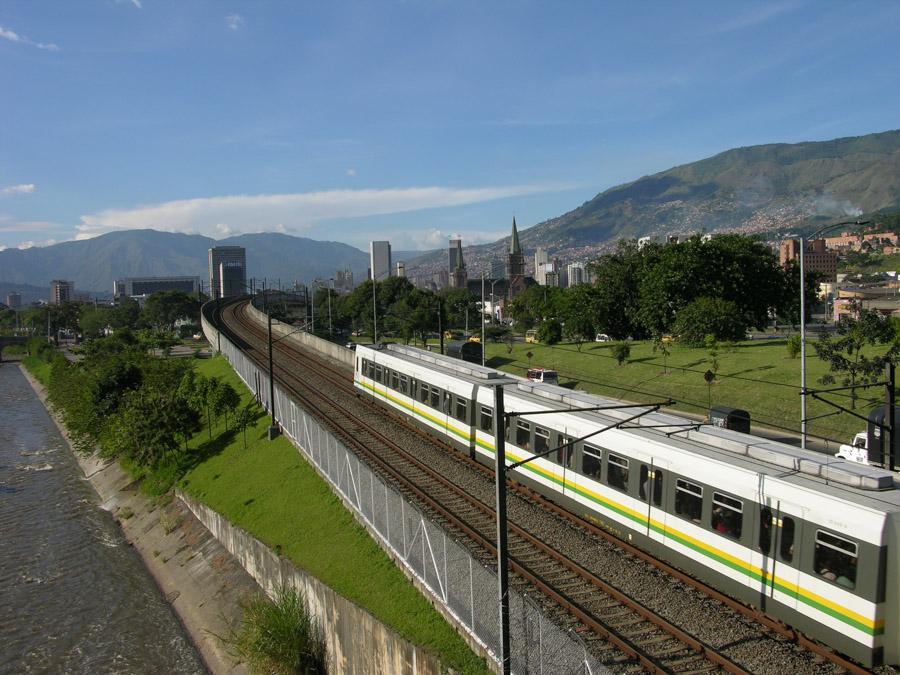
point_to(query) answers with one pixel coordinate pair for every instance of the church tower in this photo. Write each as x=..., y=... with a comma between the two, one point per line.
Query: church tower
x=515, y=264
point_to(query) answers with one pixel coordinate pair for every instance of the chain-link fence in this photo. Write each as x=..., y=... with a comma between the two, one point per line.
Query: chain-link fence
x=462, y=585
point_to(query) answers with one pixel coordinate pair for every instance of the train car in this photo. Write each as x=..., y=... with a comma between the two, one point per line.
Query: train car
x=810, y=540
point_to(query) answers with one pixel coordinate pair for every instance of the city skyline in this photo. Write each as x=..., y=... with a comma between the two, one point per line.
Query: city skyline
x=261, y=117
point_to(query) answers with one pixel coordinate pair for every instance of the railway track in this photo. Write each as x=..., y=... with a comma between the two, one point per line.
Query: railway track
x=621, y=630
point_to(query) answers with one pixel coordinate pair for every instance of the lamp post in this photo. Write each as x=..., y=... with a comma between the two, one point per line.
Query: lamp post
x=803, y=319
x=330, y=291
x=273, y=427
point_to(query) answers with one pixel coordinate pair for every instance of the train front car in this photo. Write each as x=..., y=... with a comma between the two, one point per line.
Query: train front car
x=808, y=540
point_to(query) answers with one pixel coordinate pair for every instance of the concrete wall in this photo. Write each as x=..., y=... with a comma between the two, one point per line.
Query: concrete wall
x=357, y=641
x=308, y=340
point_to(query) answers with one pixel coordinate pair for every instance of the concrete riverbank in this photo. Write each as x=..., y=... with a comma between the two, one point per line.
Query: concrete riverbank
x=199, y=578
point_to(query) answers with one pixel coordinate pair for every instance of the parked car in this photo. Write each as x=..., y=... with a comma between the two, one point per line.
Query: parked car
x=531, y=335
x=602, y=337
x=543, y=375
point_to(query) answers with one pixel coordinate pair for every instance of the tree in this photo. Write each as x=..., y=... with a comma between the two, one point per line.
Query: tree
x=793, y=346
x=126, y=313
x=705, y=316
x=242, y=420
x=226, y=401
x=844, y=352
x=93, y=321
x=550, y=332
x=663, y=344
x=164, y=308
x=621, y=351
x=510, y=342
x=579, y=312
x=616, y=289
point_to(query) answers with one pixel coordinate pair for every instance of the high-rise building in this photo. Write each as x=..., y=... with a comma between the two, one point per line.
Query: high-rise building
x=61, y=291
x=541, y=260
x=227, y=271
x=515, y=264
x=14, y=300
x=400, y=269
x=576, y=274
x=380, y=260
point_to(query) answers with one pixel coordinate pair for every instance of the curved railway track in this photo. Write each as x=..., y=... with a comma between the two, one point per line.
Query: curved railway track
x=640, y=634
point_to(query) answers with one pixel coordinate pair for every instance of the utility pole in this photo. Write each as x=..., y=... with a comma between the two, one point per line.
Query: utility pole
x=889, y=439
x=374, y=312
x=330, y=290
x=481, y=318
x=502, y=555
x=273, y=427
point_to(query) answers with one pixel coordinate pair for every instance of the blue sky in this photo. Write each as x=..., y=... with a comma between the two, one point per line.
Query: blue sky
x=404, y=120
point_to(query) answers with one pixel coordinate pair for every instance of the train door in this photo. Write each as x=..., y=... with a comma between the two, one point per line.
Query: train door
x=652, y=492
x=776, y=552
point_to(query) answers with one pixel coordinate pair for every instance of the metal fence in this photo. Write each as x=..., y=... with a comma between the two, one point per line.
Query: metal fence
x=462, y=585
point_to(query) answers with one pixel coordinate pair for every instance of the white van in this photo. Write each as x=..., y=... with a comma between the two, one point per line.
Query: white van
x=542, y=375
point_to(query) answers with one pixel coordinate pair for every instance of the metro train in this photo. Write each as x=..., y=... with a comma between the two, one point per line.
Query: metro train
x=810, y=540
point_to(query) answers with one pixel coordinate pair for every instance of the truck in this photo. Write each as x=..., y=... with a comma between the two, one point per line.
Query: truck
x=867, y=446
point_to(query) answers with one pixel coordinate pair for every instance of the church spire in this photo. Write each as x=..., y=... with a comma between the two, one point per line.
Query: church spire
x=514, y=247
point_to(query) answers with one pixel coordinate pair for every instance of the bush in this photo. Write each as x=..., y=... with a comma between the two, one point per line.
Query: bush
x=40, y=348
x=279, y=637
x=550, y=332
x=621, y=351
x=709, y=316
x=793, y=346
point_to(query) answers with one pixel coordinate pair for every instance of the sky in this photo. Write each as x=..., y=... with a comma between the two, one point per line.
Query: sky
x=408, y=121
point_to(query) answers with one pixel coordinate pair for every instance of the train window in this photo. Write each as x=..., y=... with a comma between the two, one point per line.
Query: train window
x=835, y=559
x=644, y=487
x=434, y=398
x=591, y=461
x=765, y=529
x=657, y=487
x=727, y=515
x=377, y=377
x=565, y=452
x=404, y=384
x=786, y=549
x=423, y=393
x=617, y=472
x=541, y=440
x=523, y=435
x=688, y=500
x=462, y=409
x=395, y=380
x=486, y=423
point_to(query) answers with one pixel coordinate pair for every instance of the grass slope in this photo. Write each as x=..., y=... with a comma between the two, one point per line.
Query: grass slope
x=756, y=375
x=270, y=491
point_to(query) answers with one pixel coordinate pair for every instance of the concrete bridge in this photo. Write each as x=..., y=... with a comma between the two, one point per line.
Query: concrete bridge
x=9, y=340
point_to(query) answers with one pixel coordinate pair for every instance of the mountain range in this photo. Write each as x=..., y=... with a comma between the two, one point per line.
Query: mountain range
x=762, y=188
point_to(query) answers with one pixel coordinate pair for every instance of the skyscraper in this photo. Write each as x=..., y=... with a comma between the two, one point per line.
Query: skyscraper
x=401, y=269
x=540, y=266
x=227, y=271
x=14, y=300
x=380, y=260
x=576, y=273
x=454, y=254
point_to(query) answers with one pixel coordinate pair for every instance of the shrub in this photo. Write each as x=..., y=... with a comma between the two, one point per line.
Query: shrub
x=280, y=637
x=793, y=346
x=621, y=351
x=709, y=316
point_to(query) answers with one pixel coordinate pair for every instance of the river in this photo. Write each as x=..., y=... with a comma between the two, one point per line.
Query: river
x=74, y=596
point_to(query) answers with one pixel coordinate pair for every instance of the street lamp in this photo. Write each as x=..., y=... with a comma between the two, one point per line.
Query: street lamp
x=330, y=291
x=803, y=319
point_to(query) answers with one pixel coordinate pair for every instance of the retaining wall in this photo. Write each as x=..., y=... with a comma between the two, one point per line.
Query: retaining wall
x=308, y=340
x=357, y=641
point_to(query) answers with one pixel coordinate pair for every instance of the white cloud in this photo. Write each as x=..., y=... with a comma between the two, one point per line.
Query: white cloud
x=2, y=248
x=214, y=216
x=28, y=225
x=351, y=172
x=137, y=3
x=234, y=21
x=13, y=36
x=433, y=238
x=32, y=244
x=24, y=189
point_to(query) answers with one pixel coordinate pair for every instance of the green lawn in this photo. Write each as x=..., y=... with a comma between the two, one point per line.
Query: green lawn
x=756, y=375
x=39, y=368
x=269, y=490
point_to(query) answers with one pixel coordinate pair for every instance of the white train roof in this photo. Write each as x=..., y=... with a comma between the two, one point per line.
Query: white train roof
x=777, y=454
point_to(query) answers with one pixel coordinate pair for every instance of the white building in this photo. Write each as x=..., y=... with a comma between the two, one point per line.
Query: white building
x=541, y=261
x=576, y=274
x=227, y=271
